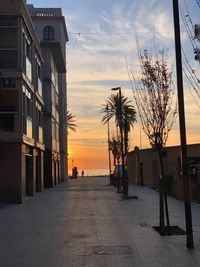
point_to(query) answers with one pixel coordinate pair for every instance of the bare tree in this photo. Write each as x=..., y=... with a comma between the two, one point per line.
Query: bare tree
x=157, y=109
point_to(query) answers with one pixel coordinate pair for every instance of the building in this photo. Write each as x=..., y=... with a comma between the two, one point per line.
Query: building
x=32, y=100
x=51, y=29
x=144, y=169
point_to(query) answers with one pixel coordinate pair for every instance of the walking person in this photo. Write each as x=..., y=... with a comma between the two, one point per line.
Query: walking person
x=82, y=173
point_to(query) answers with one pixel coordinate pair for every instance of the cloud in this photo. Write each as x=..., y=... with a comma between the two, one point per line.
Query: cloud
x=163, y=25
x=96, y=61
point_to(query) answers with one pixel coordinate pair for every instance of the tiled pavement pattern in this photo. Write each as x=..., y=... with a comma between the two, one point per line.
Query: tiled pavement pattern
x=86, y=223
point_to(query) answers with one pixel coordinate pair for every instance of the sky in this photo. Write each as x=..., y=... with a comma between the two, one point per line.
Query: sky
x=102, y=38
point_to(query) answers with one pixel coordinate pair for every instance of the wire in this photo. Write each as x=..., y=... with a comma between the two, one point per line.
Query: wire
x=189, y=81
x=116, y=33
x=189, y=31
x=191, y=70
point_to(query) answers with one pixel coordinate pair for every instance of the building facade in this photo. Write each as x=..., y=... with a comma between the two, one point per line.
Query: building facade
x=144, y=169
x=51, y=29
x=32, y=111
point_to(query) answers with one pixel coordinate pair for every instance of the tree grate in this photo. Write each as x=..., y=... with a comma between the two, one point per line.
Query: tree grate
x=169, y=230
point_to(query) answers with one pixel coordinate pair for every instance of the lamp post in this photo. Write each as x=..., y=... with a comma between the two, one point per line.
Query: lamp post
x=188, y=213
x=121, y=134
x=109, y=157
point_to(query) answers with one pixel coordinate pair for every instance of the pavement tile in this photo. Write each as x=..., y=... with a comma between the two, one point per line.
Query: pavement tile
x=86, y=223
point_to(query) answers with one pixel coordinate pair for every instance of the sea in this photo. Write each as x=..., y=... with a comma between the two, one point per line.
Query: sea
x=94, y=172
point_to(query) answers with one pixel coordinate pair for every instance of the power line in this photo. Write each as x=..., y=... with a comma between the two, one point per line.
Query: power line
x=189, y=81
x=119, y=33
x=189, y=71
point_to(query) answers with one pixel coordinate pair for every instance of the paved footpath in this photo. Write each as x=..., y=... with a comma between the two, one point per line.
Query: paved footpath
x=86, y=223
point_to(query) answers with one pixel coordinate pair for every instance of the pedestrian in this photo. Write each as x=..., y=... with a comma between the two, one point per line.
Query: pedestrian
x=82, y=173
x=75, y=172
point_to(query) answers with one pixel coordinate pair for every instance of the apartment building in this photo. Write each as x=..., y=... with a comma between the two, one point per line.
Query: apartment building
x=32, y=100
x=51, y=29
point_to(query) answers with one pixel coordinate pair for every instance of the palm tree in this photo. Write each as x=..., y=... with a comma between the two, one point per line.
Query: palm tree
x=114, y=146
x=112, y=109
x=71, y=122
x=120, y=107
x=129, y=120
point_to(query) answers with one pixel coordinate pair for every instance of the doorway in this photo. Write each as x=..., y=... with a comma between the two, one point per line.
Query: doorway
x=29, y=175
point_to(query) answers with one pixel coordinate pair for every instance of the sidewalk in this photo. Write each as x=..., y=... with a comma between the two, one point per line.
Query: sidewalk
x=86, y=223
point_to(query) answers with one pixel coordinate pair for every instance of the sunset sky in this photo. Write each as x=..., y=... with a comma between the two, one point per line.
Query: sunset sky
x=101, y=35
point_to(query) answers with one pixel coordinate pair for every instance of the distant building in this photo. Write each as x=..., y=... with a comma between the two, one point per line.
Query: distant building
x=144, y=169
x=33, y=139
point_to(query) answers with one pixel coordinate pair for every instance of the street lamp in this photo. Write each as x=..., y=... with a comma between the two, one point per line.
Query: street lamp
x=121, y=135
x=109, y=156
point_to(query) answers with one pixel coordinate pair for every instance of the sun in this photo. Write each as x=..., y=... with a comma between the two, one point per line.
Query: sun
x=69, y=153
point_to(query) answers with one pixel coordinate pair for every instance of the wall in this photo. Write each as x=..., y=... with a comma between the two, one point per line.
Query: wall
x=171, y=159
x=10, y=173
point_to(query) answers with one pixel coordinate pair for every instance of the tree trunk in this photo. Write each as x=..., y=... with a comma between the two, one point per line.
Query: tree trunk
x=163, y=196
x=118, y=178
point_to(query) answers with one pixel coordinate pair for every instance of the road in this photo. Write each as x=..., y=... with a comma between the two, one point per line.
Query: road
x=86, y=223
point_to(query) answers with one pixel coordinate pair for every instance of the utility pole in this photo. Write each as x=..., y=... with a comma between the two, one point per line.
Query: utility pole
x=188, y=214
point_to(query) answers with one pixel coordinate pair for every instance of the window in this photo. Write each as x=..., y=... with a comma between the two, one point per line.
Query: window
x=8, y=59
x=54, y=76
x=27, y=64
x=8, y=20
x=7, y=82
x=8, y=38
x=7, y=122
x=39, y=75
x=39, y=123
x=39, y=114
x=48, y=33
x=27, y=112
x=27, y=103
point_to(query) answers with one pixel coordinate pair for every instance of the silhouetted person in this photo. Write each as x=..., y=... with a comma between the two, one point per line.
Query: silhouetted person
x=82, y=173
x=75, y=173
